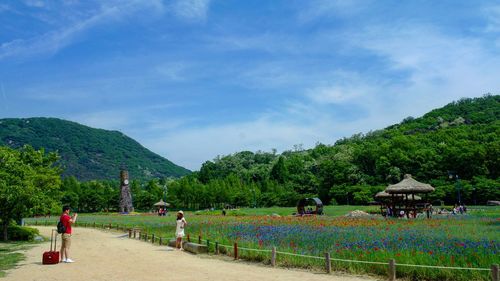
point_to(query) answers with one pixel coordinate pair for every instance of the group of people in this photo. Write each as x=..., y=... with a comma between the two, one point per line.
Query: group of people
x=402, y=214
x=162, y=212
x=459, y=209
x=67, y=220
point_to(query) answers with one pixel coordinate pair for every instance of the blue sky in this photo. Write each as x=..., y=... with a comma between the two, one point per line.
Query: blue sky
x=194, y=79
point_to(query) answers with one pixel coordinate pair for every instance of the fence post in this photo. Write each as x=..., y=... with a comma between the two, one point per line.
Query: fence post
x=110, y=226
x=392, y=270
x=216, y=248
x=235, y=251
x=134, y=233
x=208, y=246
x=152, y=238
x=328, y=263
x=199, y=239
x=189, y=238
x=273, y=257
x=161, y=241
x=494, y=272
x=130, y=233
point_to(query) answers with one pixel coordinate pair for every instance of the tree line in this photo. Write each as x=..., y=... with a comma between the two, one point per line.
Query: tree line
x=456, y=149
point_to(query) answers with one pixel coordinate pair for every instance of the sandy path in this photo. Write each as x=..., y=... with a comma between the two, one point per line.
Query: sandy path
x=102, y=255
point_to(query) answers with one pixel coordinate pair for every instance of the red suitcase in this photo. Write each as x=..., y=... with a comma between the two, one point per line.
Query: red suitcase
x=52, y=256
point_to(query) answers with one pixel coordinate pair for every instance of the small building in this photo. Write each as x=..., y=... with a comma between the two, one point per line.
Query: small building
x=161, y=207
x=403, y=199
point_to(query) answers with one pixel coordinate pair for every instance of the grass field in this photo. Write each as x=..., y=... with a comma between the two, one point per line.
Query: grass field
x=10, y=255
x=471, y=240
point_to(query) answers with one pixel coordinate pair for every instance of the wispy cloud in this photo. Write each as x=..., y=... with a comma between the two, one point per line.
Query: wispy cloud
x=210, y=141
x=53, y=41
x=272, y=74
x=174, y=71
x=492, y=15
x=35, y=3
x=268, y=42
x=4, y=7
x=107, y=119
x=340, y=87
x=191, y=85
x=418, y=65
x=316, y=9
x=191, y=10
x=435, y=60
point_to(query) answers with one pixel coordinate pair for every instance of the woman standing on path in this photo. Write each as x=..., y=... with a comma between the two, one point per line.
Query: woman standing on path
x=179, y=230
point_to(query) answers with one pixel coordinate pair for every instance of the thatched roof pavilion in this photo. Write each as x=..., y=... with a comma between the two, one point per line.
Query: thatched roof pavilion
x=409, y=186
x=401, y=197
x=385, y=195
x=161, y=203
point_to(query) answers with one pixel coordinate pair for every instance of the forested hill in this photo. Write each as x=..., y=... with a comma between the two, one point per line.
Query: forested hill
x=85, y=152
x=458, y=141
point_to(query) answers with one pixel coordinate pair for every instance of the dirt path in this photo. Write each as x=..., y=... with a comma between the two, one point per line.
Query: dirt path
x=102, y=255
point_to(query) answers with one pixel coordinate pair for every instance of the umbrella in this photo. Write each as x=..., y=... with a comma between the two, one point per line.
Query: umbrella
x=161, y=204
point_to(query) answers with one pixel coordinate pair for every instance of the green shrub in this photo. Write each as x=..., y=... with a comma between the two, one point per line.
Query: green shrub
x=22, y=233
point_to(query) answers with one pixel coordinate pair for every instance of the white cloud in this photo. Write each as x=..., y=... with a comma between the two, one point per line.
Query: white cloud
x=427, y=69
x=191, y=10
x=273, y=74
x=35, y=3
x=440, y=67
x=492, y=15
x=53, y=41
x=268, y=42
x=331, y=8
x=341, y=87
x=191, y=147
x=175, y=71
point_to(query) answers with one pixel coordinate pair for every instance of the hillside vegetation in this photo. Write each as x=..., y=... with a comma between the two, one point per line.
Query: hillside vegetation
x=460, y=140
x=455, y=148
x=85, y=152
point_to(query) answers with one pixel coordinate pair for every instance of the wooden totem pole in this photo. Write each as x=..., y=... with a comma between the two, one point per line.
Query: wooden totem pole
x=126, y=205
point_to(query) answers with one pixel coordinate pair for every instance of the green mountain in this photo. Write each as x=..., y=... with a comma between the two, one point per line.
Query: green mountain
x=455, y=148
x=85, y=152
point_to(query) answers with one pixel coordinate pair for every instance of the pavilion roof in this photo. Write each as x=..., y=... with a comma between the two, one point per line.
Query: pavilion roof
x=409, y=185
x=161, y=203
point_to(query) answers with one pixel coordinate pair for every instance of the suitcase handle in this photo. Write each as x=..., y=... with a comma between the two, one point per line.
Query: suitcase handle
x=55, y=239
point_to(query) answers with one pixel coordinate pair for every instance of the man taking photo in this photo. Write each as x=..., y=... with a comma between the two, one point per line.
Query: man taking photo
x=67, y=221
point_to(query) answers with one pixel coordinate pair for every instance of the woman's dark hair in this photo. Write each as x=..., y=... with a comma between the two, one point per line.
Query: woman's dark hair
x=65, y=208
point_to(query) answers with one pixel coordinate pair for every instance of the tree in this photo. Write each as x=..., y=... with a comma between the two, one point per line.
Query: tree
x=29, y=183
x=279, y=172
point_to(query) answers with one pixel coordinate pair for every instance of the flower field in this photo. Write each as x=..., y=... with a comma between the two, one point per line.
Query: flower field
x=471, y=241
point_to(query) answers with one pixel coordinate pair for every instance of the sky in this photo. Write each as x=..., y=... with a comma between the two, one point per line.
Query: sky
x=194, y=79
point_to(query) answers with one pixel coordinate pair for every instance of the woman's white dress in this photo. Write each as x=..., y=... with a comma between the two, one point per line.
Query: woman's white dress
x=179, y=230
